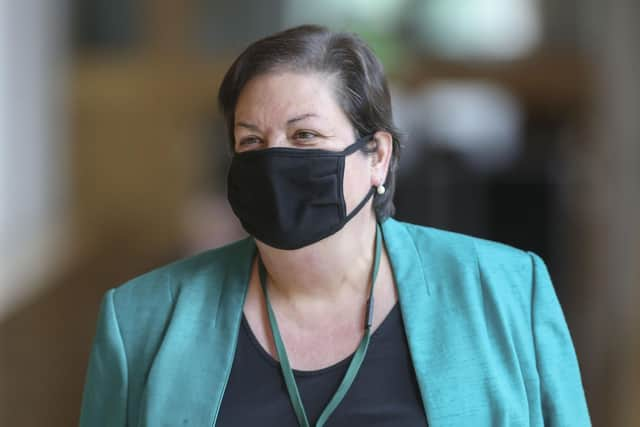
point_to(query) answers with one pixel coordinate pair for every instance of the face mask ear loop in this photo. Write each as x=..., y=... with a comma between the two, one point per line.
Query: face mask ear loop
x=361, y=142
x=360, y=205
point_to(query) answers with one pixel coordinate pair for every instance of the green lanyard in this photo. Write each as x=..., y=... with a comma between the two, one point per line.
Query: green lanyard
x=356, y=361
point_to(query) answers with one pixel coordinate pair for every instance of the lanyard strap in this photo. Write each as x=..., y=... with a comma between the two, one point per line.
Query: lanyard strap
x=356, y=361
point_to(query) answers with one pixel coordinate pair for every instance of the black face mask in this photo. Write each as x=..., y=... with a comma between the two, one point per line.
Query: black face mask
x=291, y=197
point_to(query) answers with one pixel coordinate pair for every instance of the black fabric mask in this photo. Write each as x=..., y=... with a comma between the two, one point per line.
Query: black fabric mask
x=291, y=197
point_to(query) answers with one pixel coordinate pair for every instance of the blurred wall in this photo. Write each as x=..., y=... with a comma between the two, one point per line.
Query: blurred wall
x=611, y=165
x=33, y=147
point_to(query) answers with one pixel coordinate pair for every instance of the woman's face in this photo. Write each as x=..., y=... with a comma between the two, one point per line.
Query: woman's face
x=299, y=110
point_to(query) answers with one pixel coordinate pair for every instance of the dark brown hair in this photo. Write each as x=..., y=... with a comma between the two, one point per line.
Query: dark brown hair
x=361, y=86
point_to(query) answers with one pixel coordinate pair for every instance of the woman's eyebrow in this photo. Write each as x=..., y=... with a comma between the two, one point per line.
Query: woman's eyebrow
x=291, y=121
x=247, y=125
x=300, y=117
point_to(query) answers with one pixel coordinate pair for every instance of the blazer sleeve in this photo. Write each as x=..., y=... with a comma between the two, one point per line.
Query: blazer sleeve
x=104, y=401
x=562, y=396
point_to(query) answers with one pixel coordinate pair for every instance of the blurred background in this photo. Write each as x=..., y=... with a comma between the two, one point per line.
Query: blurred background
x=521, y=121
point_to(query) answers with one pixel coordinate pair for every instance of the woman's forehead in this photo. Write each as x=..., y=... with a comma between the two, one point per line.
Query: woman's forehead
x=284, y=98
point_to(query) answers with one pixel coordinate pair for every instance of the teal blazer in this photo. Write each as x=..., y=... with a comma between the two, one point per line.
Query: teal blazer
x=488, y=339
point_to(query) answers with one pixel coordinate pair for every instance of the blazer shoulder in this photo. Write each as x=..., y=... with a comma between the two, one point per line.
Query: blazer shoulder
x=477, y=272
x=459, y=244
x=493, y=263
x=162, y=285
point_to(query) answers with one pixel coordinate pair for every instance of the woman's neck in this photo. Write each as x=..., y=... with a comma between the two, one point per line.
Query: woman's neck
x=335, y=269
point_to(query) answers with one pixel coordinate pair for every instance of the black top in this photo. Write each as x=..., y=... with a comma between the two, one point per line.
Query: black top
x=384, y=393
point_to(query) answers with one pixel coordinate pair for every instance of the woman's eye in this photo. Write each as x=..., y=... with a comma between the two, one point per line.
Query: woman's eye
x=304, y=135
x=249, y=140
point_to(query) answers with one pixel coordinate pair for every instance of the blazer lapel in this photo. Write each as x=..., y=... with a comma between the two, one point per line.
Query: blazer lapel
x=428, y=276
x=191, y=369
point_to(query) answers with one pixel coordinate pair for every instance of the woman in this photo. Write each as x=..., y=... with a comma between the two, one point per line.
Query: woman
x=332, y=312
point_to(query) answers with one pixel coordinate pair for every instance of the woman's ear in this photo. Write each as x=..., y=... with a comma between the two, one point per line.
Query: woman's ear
x=381, y=157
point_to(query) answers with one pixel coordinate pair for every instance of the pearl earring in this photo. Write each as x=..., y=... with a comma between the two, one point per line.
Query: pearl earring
x=381, y=189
